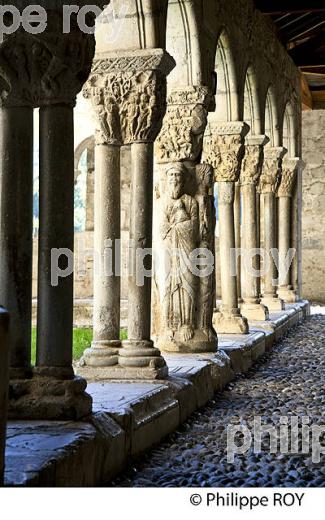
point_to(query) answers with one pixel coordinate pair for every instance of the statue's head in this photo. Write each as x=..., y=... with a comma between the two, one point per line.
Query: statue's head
x=175, y=180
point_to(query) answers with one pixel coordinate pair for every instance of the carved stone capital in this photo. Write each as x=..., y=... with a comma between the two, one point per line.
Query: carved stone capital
x=47, y=68
x=271, y=173
x=252, y=164
x=128, y=93
x=289, y=175
x=181, y=137
x=224, y=149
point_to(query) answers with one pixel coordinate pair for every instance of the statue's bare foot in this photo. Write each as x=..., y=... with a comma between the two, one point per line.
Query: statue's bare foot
x=209, y=333
x=186, y=332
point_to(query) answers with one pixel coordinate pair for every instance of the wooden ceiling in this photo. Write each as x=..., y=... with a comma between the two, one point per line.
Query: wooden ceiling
x=301, y=28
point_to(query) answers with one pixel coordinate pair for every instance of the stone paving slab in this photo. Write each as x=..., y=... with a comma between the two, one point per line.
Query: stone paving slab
x=131, y=417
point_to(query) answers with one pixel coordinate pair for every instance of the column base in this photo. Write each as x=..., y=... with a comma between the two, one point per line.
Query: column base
x=202, y=341
x=287, y=294
x=141, y=360
x=101, y=354
x=274, y=304
x=229, y=323
x=255, y=312
x=49, y=396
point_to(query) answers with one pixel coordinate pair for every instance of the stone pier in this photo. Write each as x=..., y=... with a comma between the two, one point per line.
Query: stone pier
x=128, y=92
x=286, y=289
x=252, y=308
x=61, y=63
x=269, y=183
x=224, y=149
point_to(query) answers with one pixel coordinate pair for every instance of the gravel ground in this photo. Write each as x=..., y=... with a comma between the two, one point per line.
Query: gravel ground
x=287, y=382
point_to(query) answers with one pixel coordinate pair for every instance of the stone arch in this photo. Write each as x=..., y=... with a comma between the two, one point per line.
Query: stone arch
x=131, y=25
x=87, y=145
x=252, y=112
x=226, y=90
x=271, y=118
x=289, y=130
x=183, y=42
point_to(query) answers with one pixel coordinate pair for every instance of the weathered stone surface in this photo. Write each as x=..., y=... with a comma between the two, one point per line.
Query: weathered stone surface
x=313, y=204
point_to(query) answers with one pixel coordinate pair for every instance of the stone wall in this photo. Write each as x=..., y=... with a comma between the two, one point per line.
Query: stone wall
x=313, y=217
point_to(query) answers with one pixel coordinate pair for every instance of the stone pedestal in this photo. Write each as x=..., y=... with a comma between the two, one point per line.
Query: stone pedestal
x=269, y=182
x=285, y=192
x=252, y=308
x=4, y=384
x=224, y=149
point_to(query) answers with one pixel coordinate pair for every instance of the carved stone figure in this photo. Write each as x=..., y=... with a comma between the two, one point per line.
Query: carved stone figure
x=207, y=223
x=185, y=299
x=179, y=230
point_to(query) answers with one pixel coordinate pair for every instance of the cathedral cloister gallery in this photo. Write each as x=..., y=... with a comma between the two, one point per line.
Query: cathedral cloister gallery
x=162, y=250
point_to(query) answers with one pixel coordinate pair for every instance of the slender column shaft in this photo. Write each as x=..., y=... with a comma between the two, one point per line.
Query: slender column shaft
x=270, y=243
x=55, y=303
x=107, y=239
x=258, y=232
x=250, y=282
x=16, y=229
x=227, y=248
x=237, y=217
x=284, y=234
x=4, y=383
x=139, y=316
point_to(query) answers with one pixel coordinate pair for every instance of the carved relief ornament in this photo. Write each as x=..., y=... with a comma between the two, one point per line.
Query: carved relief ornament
x=289, y=176
x=183, y=128
x=44, y=69
x=252, y=164
x=128, y=93
x=224, y=149
x=272, y=170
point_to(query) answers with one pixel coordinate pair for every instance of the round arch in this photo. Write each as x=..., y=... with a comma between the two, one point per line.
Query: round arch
x=271, y=119
x=183, y=42
x=252, y=113
x=226, y=90
x=86, y=144
x=289, y=130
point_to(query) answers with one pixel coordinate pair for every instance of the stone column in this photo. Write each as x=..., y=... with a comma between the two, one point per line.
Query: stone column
x=238, y=226
x=184, y=207
x=129, y=90
x=46, y=71
x=252, y=308
x=4, y=384
x=285, y=192
x=107, y=234
x=268, y=185
x=224, y=149
x=16, y=229
x=90, y=199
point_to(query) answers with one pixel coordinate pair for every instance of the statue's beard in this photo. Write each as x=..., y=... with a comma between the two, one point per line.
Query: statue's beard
x=175, y=192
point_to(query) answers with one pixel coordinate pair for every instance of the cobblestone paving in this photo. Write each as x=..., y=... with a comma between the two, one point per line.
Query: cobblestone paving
x=287, y=382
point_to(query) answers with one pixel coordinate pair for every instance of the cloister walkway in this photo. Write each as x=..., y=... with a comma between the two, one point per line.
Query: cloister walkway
x=288, y=382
